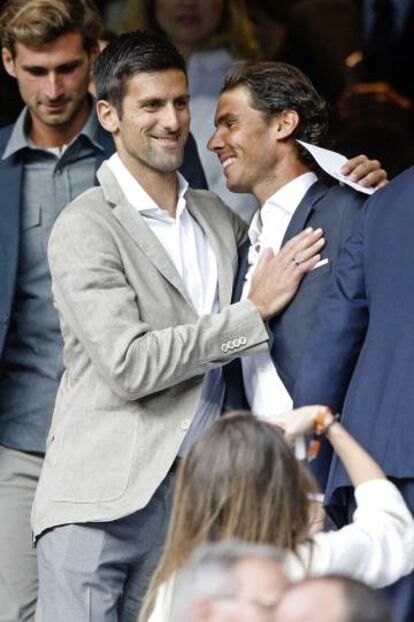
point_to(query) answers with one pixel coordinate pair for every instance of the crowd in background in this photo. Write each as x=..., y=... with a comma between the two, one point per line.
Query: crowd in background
x=247, y=538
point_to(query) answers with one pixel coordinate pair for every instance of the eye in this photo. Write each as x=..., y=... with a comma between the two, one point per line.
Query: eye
x=181, y=103
x=152, y=106
x=68, y=68
x=36, y=71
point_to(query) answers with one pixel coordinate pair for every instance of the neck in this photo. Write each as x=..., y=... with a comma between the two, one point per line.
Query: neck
x=285, y=172
x=58, y=135
x=160, y=186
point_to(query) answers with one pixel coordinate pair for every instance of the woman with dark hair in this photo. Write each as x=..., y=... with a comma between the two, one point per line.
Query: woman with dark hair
x=241, y=480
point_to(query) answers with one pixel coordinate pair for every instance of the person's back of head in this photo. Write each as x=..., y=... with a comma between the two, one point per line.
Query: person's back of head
x=229, y=580
x=344, y=600
x=239, y=480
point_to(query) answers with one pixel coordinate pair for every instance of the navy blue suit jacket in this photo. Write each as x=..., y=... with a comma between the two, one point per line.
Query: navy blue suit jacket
x=11, y=172
x=360, y=357
x=335, y=210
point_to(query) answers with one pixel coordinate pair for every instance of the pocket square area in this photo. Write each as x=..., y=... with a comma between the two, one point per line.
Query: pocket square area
x=320, y=263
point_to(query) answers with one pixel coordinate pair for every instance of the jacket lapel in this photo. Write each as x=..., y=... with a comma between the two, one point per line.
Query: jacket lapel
x=138, y=230
x=302, y=212
x=10, y=184
x=224, y=269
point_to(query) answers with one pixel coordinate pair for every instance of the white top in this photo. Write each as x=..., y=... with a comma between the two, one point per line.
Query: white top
x=182, y=238
x=265, y=391
x=377, y=548
x=206, y=71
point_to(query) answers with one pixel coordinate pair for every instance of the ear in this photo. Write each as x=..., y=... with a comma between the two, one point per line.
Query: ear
x=285, y=124
x=107, y=115
x=8, y=62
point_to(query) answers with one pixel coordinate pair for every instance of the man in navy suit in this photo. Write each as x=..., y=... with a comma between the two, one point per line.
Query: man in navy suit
x=263, y=109
x=360, y=357
x=47, y=158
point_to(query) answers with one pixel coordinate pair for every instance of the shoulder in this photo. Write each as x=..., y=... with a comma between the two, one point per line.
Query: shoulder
x=345, y=195
x=5, y=132
x=87, y=209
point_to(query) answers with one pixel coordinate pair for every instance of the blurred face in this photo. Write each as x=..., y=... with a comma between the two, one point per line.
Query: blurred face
x=155, y=121
x=188, y=23
x=260, y=585
x=53, y=81
x=304, y=604
x=244, y=141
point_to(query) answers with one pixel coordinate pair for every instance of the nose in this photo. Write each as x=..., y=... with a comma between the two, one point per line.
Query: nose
x=216, y=142
x=171, y=119
x=54, y=88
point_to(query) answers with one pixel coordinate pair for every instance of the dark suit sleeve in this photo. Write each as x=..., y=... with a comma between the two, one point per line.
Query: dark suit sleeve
x=191, y=167
x=335, y=342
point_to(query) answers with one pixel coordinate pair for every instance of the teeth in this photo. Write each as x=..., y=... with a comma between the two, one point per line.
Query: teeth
x=228, y=161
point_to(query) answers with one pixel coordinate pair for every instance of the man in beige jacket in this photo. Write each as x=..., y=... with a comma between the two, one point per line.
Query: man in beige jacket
x=142, y=271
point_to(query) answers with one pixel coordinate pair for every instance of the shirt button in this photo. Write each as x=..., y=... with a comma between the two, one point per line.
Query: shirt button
x=59, y=172
x=185, y=424
x=224, y=347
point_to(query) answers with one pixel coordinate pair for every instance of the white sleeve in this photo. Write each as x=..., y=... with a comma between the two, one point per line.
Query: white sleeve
x=378, y=547
x=163, y=602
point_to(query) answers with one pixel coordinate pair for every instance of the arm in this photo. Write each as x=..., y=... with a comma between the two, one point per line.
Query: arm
x=101, y=308
x=358, y=463
x=378, y=547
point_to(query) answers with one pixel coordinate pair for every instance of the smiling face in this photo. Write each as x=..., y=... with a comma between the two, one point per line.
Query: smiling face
x=153, y=128
x=188, y=23
x=53, y=83
x=245, y=142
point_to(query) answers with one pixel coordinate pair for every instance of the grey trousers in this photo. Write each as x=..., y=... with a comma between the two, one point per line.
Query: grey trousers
x=19, y=474
x=99, y=572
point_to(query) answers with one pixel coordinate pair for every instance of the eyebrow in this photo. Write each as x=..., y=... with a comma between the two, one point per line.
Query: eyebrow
x=223, y=118
x=160, y=100
x=71, y=64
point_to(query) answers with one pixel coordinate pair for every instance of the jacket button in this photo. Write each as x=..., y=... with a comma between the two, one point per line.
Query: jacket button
x=236, y=343
x=243, y=341
x=224, y=347
x=185, y=424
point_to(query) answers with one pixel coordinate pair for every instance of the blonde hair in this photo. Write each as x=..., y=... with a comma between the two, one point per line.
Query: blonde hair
x=239, y=480
x=235, y=33
x=36, y=23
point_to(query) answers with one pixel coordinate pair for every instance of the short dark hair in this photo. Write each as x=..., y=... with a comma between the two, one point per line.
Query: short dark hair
x=129, y=54
x=36, y=23
x=275, y=87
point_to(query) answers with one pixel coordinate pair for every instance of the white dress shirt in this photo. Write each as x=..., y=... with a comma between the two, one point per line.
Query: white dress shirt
x=189, y=249
x=265, y=391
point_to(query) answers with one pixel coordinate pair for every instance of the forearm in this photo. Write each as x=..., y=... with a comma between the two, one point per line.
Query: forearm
x=359, y=465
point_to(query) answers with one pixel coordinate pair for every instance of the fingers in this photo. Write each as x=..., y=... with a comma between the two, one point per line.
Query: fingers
x=310, y=252
x=301, y=242
x=366, y=172
x=353, y=163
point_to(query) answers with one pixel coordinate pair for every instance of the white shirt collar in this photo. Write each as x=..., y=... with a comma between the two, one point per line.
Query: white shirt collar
x=135, y=193
x=286, y=199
